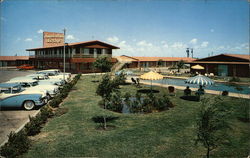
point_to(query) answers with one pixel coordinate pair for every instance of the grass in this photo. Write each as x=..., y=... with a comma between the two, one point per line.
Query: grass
x=165, y=134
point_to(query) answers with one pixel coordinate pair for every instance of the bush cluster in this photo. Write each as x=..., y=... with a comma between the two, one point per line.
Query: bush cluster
x=119, y=80
x=115, y=103
x=234, y=79
x=148, y=104
x=137, y=103
x=19, y=143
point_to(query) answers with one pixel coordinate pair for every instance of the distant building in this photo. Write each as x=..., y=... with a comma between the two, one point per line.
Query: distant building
x=148, y=62
x=225, y=65
x=10, y=61
x=79, y=56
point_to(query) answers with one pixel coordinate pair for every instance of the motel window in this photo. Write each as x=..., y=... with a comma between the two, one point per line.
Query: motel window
x=91, y=51
x=109, y=51
x=77, y=50
x=86, y=51
x=99, y=51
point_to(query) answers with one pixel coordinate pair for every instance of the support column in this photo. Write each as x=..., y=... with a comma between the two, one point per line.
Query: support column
x=207, y=68
x=234, y=70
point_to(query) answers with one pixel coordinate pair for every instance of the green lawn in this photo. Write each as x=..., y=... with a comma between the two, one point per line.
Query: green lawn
x=165, y=134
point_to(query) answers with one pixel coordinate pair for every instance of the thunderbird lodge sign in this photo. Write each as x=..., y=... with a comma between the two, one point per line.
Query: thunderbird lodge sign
x=52, y=39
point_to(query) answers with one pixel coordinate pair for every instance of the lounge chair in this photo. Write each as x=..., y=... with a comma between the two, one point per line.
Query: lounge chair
x=133, y=80
x=187, y=91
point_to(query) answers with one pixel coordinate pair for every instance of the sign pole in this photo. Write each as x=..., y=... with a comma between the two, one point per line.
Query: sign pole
x=64, y=33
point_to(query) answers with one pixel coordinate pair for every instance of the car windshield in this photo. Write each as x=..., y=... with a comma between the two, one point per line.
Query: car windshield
x=5, y=90
x=34, y=84
x=8, y=90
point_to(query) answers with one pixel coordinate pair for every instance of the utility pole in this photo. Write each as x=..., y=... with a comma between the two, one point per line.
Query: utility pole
x=187, y=51
x=64, y=43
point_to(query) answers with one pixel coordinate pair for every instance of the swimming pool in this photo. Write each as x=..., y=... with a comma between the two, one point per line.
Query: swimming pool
x=243, y=89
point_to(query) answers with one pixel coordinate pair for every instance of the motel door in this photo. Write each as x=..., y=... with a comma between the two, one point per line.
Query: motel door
x=222, y=70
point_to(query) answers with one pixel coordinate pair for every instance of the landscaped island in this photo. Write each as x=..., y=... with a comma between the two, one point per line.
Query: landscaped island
x=167, y=133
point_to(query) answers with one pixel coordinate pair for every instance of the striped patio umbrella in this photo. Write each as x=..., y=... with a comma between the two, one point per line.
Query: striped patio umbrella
x=200, y=80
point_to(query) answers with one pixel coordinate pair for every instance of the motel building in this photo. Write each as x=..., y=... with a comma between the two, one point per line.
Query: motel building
x=151, y=62
x=79, y=57
x=237, y=65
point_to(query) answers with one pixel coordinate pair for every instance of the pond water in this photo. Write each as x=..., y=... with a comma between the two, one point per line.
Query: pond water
x=243, y=89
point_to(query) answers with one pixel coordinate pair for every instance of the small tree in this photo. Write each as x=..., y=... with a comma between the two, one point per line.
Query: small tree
x=211, y=124
x=105, y=89
x=159, y=62
x=103, y=63
x=180, y=65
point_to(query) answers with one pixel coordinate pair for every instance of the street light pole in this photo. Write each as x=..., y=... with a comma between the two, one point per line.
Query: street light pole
x=64, y=33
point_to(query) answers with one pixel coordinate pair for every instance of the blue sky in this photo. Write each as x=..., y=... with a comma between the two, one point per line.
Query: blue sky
x=139, y=28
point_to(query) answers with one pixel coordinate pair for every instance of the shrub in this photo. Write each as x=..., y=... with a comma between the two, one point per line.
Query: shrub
x=56, y=101
x=46, y=113
x=119, y=79
x=18, y=144
x=34, y=126
x=234, y=79
x=115, y=103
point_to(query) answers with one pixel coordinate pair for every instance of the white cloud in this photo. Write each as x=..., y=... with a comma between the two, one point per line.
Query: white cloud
x=2, y=18
x=193, y=41
x=204, y=44
x=179, y=45
x=28, y=40
x=40, y=31
x=144, y=44
x=113, y=39
x=211, y=30
x=165, y=45
x=70, y=37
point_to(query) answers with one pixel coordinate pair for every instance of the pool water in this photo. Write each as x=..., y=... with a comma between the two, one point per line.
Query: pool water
x=243, y=89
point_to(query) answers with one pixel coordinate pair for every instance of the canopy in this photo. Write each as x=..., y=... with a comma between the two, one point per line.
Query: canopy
x=200, y=79
x=151, y=76
x=197, y=67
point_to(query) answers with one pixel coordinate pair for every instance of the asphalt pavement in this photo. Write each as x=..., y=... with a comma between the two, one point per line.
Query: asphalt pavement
x=12, y=119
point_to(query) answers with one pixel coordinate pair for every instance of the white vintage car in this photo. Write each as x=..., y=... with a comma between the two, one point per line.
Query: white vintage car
x=12, y=95
x=34, y=85
x=55, y=73
x=46, y=79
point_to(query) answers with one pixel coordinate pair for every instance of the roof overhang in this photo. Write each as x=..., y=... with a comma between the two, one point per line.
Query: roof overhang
x=218, y=62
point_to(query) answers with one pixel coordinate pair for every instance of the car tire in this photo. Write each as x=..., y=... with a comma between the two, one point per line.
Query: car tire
x=28, y=105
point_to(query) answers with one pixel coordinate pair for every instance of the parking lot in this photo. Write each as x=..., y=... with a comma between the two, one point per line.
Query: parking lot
x=12, y=119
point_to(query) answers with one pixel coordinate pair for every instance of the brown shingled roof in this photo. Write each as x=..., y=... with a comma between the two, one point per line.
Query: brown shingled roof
x=242, y=56
x=13, y=58
x=164, y=58
x=78, y=43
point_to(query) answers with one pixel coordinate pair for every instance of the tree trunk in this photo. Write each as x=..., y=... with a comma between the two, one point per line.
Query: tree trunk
x=208, y=150
x=104, y=118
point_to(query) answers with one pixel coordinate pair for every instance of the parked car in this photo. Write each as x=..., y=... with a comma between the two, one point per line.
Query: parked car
x=25, y=67
x=45, y=78
x=55, y=73
x=12, y=95
x=34, y=85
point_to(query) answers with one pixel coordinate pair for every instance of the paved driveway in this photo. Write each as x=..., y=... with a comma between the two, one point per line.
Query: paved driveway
x=12, y=119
